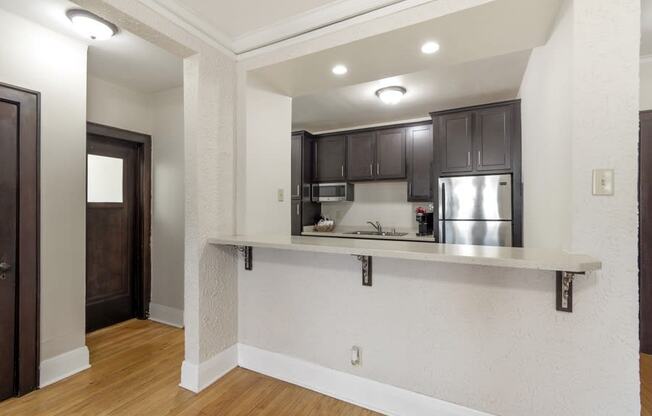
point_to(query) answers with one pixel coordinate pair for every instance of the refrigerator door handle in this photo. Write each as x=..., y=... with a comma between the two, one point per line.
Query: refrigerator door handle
x=442, y=237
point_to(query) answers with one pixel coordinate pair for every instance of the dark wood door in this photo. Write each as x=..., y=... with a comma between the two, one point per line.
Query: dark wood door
x=330, y=159
x=361, y=149
x=295, y=180
x=419, y=163
x=111, y=252
x=645, y=232
x=493, y=138
x=455, y=142
x=296, y=217
x=390, y=154
x=8, y=239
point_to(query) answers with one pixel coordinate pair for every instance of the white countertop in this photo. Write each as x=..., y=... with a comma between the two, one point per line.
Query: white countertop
x=522, y=258
x=341, y=232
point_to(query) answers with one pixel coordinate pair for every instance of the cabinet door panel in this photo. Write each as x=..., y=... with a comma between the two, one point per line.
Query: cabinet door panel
x=456, y=142
x=390, y=154
x=360, y=156
x=296, y=218
x=330, y=155
x=419, y=163
x=493, y=138
x=307, y=172
x=295, y=179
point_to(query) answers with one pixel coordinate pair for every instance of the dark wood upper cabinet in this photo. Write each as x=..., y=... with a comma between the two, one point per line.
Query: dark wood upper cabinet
x=455, y=140
x=390, y=154
x=493, y=138
x=419, y=163
x=360, y=160
x=296, y=166
x=330, y=159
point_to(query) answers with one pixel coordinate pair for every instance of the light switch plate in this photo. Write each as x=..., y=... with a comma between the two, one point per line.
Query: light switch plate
x=280, y=195
x=603, y=181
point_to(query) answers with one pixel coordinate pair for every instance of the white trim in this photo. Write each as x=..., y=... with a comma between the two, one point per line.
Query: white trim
x=64, y=365
x=166, y=315
x=347, y=387
x=366, y=126
x=197, y=377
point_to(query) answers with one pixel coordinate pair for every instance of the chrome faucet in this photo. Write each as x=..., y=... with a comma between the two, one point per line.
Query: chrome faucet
x=377, y=226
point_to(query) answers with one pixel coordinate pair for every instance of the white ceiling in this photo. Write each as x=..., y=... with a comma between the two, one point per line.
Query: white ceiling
x=125, y=59
x=488, y=80
x=243, y=25
x=496, y=28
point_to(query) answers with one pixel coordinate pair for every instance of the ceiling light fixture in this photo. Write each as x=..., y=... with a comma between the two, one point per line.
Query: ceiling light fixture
x=340, y=70
x=90, y=25
x=430, y=47
x=391, y=95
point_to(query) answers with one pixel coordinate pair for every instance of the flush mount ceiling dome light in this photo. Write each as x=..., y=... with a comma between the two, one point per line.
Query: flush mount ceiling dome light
x=90, y=25
x=391, y=95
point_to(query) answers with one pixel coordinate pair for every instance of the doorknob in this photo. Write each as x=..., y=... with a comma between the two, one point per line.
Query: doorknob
x=4, y=267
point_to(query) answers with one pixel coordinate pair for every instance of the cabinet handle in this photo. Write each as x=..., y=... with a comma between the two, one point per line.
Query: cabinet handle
x=297, y=209
x=298, y=192
x=342, y=170
x=409, y=188
x=371, y=169
x=377, y=168
x=468, y=159
x=479, y=159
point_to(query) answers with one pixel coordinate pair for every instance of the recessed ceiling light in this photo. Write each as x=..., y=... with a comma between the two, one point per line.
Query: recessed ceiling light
x=391, y=95
x=340, y=70
x=90, y=25
x=429, y=47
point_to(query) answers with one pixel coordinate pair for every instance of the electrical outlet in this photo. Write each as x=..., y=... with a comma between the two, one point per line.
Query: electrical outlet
x=356, y=356
x=280, y=195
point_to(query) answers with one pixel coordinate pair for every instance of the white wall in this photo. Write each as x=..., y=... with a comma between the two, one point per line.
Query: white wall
x=378, y=201
x=161, y=116
x=490, y=338
x=118, y=106
x=266, y=161
x=546, y=111
x=168, y=206
x=646, y=85
x=39, y=59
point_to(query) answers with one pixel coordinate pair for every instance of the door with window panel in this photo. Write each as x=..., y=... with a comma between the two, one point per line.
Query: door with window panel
x=110, y=231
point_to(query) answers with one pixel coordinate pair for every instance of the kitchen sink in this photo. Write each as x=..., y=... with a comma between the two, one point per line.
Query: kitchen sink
x=383, y=234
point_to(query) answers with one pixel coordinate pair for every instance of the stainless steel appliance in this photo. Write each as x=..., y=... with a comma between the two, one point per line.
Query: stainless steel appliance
x=476, y=210
x=332, y=192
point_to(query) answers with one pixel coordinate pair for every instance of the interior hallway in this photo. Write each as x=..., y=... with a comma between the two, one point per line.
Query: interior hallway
x=135, y=371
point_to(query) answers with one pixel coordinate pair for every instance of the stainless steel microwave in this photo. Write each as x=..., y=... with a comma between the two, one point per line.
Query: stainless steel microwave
x=332, y=192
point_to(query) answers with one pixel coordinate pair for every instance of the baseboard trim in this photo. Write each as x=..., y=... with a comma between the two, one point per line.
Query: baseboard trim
x=362, y=392
x=166, y=315
x=197, y=377
x=62, y=366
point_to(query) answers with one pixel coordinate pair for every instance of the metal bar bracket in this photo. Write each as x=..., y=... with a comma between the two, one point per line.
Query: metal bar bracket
x=565, y=290
x=247, y=255
x=366, y=270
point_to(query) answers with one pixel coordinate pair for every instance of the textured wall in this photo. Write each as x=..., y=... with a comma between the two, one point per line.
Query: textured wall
x=55, y=65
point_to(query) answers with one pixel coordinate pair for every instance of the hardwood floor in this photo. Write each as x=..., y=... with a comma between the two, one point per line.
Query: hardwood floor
x=646, y=385
x=135, y=371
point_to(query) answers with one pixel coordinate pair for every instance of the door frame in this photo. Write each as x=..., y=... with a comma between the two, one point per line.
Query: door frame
x=142, y=278
x=28, y=238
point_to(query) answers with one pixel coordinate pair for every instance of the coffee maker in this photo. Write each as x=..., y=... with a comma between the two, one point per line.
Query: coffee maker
x=425, y=222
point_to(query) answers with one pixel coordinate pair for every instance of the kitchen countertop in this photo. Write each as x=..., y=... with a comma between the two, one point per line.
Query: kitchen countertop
x=513, y=257
x=341, y=232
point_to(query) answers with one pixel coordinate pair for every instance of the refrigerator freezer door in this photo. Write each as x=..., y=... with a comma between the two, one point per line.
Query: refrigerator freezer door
x=487, y=197
x=478, y=233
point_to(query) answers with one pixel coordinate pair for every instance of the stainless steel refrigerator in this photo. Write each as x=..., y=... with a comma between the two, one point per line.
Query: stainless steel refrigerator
x=476, y=210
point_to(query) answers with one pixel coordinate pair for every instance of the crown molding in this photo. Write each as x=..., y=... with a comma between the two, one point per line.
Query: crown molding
x=291, y=28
